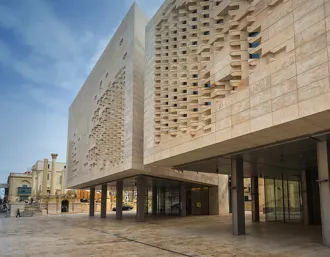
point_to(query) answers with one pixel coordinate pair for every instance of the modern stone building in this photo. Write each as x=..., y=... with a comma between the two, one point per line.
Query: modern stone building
x=241, y=88
x=105, y=137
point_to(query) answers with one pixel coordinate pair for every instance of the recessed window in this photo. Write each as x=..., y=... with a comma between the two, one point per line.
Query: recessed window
x=184, y=115
x=220, y=21
x=207, y=103
x=48, y=166
x=194, y=27
x=194, y=11
x=207, y=85
x=206, y=7
x=184, y=30
x=121, y=41
x=184, y=91
x=184, y=22
x=195, y=76
x=206, y=32
x=184, y=37
x=206, y=16
x=194, y=43
x=194, y=19
x=64, y=166
x=195, y=84
x=125, y=55
x=195, y=109
x=184, y=83
x=195, y=92
x=175, y=105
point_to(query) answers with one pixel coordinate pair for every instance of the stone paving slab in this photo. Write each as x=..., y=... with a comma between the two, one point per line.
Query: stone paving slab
x=79, y=235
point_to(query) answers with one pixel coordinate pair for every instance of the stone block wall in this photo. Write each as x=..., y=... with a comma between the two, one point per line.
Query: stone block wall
x=269, y=62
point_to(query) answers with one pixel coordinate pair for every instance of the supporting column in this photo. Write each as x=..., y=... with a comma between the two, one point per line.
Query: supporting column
x=141, y=185
x=154, y=200
x=104, y=191
x=255, y=199
x=119, y=199
x=304, y=194
x=92, y=201
x=34, y=182
x=183, y=200
x=44, y=177
x=223, y=195
x=63, y=182
x=323, y=158
x=237, y=189
x=53, y=176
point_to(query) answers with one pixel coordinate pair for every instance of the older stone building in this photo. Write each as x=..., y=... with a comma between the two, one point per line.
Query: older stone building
x=19, y=187
x=105, y=140
x=241, y=87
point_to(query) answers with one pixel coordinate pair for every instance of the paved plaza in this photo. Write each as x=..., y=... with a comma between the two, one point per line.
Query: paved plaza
x=80, y=235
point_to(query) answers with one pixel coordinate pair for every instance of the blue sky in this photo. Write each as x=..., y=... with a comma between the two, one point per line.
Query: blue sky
x=47, y=49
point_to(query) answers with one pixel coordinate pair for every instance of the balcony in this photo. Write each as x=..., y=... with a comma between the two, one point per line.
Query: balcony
x=24, y=190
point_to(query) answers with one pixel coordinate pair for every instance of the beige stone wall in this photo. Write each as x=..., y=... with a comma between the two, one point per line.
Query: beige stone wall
x=39, y=165
x=277, y=67
x=16, y=180
x=106, y=117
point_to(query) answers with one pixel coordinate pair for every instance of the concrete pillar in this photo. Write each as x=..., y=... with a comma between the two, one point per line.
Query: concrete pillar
x=119, y=199
x=323, y=158
x=44, y=177
x=223, y=194
x=237, y=192
x=141, y=185
x=304, y=194
x=39, y=182
x=255, y=199
x=183, y=200
x=154, y=200
x=63, y=182
x=53, y=176
x=92, y=201
x=34, y=183
x=104, y=191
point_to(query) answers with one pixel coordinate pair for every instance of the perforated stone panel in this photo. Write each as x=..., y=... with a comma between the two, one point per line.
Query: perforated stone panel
x=200, y=49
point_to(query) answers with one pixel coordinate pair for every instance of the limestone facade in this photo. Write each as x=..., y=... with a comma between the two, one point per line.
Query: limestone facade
x=20, y=186
x=105, y=140
x=232, y=75
x=38, y=175
x=106, y=117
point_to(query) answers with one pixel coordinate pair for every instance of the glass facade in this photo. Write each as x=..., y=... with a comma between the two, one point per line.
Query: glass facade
x=168, y=201
x=282, y=198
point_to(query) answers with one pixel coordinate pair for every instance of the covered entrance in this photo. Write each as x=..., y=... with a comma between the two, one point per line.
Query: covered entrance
x=295, y=176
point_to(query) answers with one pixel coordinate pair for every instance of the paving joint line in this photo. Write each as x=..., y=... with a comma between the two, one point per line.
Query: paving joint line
x=128, y=239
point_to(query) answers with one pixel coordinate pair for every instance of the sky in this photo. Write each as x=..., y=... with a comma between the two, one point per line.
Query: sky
x=47, y=49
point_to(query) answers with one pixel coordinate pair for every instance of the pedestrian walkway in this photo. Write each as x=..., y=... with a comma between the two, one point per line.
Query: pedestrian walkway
x=80, y=235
